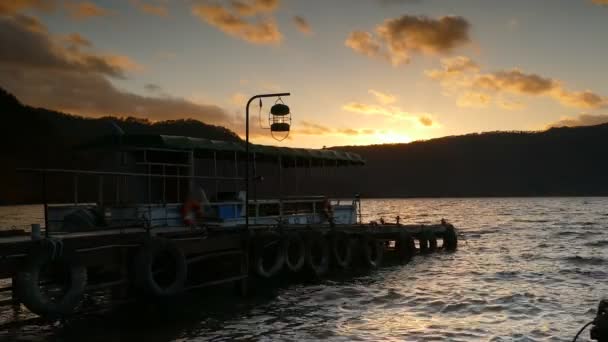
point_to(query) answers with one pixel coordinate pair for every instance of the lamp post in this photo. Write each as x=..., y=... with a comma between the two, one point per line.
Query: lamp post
x=247, y=150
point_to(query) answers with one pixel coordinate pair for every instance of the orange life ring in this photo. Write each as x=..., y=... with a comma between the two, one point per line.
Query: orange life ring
x=190, y=211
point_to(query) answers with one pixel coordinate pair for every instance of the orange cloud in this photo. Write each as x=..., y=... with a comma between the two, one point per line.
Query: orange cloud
x=160, y=10
x=85, y=10
x=402, y=37
x=474, y=100
x=453, y=67
x=253, y=7
x=600, y=2
x=365, y=44
x=264, y=31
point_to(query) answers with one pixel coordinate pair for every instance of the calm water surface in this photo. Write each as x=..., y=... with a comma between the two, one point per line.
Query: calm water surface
x=529, y=270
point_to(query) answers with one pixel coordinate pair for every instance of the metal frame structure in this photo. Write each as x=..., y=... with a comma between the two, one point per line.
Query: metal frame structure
x=260, y=96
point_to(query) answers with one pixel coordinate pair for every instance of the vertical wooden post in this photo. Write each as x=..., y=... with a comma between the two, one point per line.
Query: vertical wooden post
x=236, y=172
x=75, y=189
x=100, y=191
x=47, y=232
x=217, y=182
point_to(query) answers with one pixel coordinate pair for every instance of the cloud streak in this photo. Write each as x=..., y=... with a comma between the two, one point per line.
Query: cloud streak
x=580, y=120
x=312, y=128
x=398, y=39
x=159, y=10
x=462, y=76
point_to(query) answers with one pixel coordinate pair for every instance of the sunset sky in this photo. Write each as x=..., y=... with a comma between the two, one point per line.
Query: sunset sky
x=360, y=71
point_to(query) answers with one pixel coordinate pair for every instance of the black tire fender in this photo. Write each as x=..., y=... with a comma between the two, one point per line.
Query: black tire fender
x=294, y=243
x=450, y=239
x=28, y=280
x=260, y=259
x=373, y=251
x=342, y=248
x=406, y=247
x=317, y=254
x=145, y=260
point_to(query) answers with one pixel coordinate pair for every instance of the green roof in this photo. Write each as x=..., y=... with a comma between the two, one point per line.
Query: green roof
x=315, y=157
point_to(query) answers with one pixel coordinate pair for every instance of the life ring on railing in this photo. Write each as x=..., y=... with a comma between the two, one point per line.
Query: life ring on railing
x=269, y=255
x=342, y=248
x=373, y=251
x=160, y=268
x=72, y=274
x=317, y=256
x=406, y=247
x=191, y=210
x=295, y=252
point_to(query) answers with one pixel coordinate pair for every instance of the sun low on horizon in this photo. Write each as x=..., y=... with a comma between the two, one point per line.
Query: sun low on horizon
x=359, y=72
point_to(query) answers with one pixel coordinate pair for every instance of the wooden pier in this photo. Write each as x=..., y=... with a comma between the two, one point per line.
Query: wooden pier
x=50, y=276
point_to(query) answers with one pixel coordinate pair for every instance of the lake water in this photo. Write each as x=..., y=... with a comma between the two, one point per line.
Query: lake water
x=526, y=270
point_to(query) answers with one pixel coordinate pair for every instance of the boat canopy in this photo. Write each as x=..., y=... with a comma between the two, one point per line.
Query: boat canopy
x=202, y=146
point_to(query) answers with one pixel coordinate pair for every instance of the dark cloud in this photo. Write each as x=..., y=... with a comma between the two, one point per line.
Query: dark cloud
x=581, y=120
x=41, y=71
x=31, y=46
x=93, y=95
x=232, y=20
x=402, y=37
x=517, y=82
x=302, y=24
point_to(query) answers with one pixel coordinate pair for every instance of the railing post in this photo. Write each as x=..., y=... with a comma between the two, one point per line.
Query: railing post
x=46, y=207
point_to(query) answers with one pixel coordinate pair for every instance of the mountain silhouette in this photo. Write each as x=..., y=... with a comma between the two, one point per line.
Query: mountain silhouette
x=566, y=161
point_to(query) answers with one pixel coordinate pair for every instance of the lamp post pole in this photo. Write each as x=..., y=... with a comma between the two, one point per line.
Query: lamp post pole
x=247, y=150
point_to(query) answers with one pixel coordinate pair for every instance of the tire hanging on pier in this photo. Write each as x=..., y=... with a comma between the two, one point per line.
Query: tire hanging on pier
x=269, y=255
x=342, y=248
x=318, y=255
x=295, y=252
x=49, y=262
x=373, y=251
x=160, y=268
x=406, y=247
x=450, y=238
